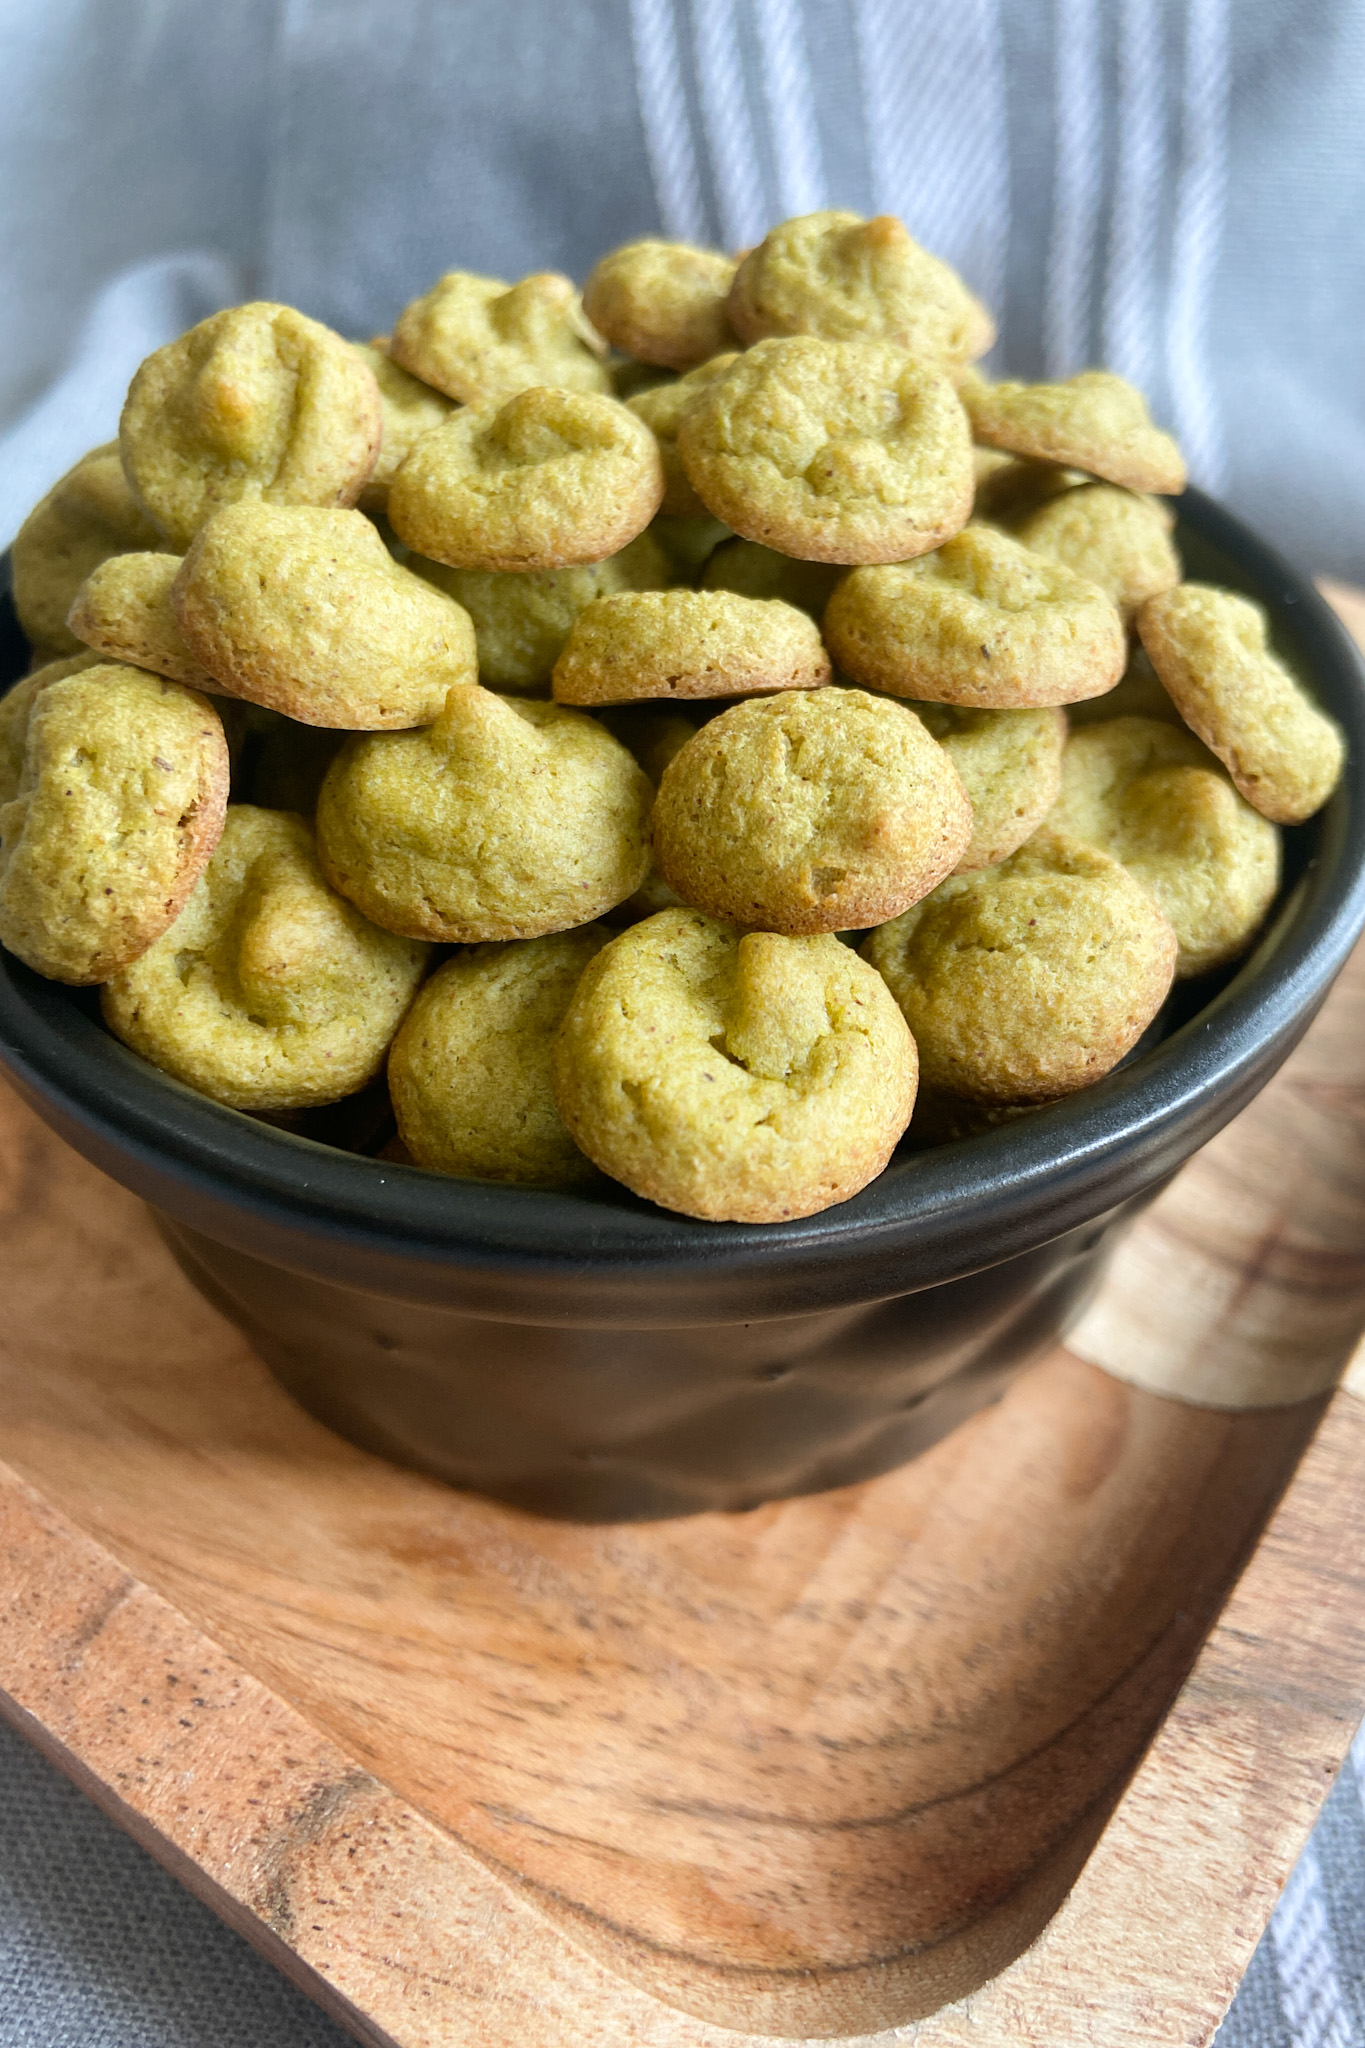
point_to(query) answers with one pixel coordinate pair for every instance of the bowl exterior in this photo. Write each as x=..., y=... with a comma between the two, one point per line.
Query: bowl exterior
x=595, y=1356
x=617, y=1423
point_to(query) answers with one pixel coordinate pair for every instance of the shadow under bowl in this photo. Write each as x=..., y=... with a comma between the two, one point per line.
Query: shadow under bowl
x=590, y=1355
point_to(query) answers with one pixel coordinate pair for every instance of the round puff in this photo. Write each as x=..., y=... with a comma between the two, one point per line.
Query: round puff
x=269, y=991
x=1009, y=763
x=662, y=302
x=687, y=643
x=1112, y=537
x=547, y=479
x=305, y=611
x=257, y=402
x=835, y=451
x=120, y=803
x=1095, y=421
x=740, y=1078
x=688, y=543
x=15, y=706
x=982, y=621
x=409, y=409
x=1136, y=694
x=1026, y=981
x=242, y=724
x=817, y=811
x=848, y=279
x=506, y=819
x=482, y=340
x=652, y=896
x=521, y=621
x=1151, y=795
x=280, y=763
x=470, y=1070
x=662, y=408
x=654, y=733
x=753, y=571
x=1009, y=487
x=88, y=515
x=1209, y=649
x=123, y=611
x=629, y=377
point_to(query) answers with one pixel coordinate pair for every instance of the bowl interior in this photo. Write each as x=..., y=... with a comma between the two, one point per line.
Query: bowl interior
x=957, y=1207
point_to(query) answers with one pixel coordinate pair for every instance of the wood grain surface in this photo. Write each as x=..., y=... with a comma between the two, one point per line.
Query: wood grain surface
x=408, y=1939
x=824, y=1768
x=816, y=1769
x=1263, y=1228
x=1263, y=1237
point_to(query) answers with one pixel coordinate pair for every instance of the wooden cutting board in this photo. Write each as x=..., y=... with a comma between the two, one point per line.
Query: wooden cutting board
x=472, y=1777
x=819, y=1769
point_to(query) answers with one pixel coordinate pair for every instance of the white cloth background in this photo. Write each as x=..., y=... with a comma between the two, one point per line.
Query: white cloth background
x=1172, y=186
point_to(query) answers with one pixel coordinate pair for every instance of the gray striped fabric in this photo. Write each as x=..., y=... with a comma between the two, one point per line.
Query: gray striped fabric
x=1306, y=1984
x=100, y=1949
x=1172, y=186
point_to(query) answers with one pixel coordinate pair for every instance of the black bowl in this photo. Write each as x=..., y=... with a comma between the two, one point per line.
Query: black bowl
x=595, y=1356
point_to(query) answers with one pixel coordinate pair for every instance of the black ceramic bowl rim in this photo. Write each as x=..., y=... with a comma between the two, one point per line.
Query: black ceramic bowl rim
x=932, y=1216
